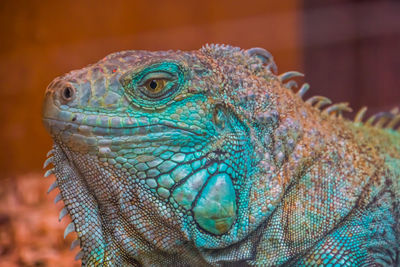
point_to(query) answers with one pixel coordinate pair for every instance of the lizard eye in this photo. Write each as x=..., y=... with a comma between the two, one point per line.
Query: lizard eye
x=155, y=86
x=67, y=93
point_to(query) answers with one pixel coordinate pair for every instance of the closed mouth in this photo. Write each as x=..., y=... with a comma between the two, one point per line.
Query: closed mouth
x=56, y=126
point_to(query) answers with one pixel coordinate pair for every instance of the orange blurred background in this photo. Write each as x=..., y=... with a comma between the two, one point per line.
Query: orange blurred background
x=348, y=49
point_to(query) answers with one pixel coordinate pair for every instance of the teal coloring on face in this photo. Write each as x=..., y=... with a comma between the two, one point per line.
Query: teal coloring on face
x=187, y=192
x=215, y=210
x=133, y=84
x=165, y=180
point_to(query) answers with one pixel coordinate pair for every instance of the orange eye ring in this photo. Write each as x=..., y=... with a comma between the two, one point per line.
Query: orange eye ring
x=155, y=85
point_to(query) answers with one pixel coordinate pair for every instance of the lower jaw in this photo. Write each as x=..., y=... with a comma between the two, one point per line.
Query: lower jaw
x=98, y=238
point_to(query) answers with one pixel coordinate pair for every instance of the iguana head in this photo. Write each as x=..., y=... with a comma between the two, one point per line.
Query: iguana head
x=160, y=153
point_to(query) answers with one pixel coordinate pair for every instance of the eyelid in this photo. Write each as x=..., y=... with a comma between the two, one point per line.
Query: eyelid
x=156, y=75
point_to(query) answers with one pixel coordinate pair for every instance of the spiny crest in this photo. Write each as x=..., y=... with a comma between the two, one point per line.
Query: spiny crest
x=258, y=60
x=387, y=120
x=317, y=102
x=266, y=58
x=71, y=227
x=286, y=80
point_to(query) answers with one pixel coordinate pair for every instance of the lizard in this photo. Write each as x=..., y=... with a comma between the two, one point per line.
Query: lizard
x=210, y=158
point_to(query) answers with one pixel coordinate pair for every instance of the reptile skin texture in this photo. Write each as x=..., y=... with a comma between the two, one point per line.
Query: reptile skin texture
x=209, y=158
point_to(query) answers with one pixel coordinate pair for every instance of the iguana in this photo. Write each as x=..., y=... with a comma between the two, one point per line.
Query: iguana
x=208, y=158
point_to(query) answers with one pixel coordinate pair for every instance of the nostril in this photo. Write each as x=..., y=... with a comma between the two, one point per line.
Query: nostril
x=68, y=93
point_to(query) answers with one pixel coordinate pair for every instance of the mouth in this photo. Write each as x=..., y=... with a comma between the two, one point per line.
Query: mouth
x=98, y=127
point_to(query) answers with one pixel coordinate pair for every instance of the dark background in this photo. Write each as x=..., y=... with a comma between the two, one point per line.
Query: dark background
x=348, y=49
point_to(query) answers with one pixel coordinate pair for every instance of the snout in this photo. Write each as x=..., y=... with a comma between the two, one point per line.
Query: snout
x=59, y=97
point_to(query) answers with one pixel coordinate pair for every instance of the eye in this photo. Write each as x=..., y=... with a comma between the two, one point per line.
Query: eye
x=155, y=86
x=68, y=93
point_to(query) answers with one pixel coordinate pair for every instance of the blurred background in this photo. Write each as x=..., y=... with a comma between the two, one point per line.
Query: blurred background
x=348, y=49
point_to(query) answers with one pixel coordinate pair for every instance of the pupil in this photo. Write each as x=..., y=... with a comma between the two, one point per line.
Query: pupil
x=153, y=84
x=67, y=93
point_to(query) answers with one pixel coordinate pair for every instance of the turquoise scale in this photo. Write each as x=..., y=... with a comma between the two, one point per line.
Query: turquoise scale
x=215, y=209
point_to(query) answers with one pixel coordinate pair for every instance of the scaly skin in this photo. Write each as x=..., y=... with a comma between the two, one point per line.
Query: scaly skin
x=207, y=158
